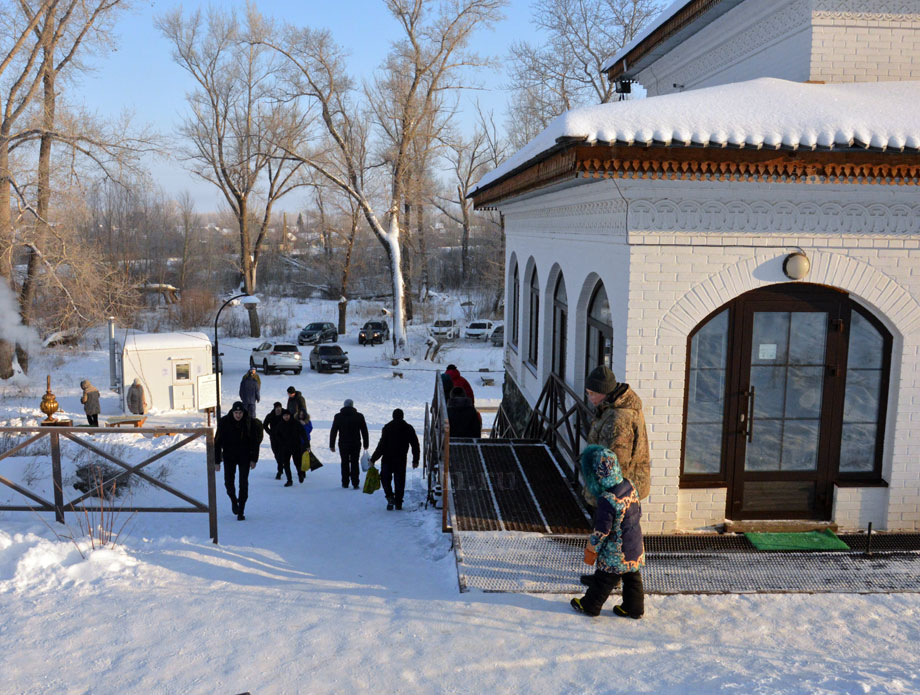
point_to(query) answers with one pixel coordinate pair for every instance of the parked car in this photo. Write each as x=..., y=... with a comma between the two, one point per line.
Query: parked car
x=276, y=357
x=374, y=332
x=318, y=332
x=498, y=336
x=479, y=328
x=445, y=328
x=329, y=358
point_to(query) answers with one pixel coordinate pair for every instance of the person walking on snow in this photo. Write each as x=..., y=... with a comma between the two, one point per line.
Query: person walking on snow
x=90, y=401
x=395, y=440
x=615, y=546
x=351, y=429
x=462, y=416
x=271, y=423
x=292, y=445
x=237, y=445
x=136, y=399
x=620, y=426
x=296, y=401
x=250, y=391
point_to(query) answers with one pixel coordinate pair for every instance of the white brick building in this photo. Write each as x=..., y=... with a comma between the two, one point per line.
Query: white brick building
x=653, y=235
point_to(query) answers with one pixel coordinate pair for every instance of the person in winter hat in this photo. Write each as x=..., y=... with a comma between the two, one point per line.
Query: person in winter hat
x=237, y=445
x=90, y=401
x=291, y=445
x=351, y=429
x=619, y=425
x=303, y=417
x=615, y=546
x=462, y=416
x=136, y=399
x=395, y=440
x=457, y=380
x=296, y=402
x=250, y=391
x=271, y=423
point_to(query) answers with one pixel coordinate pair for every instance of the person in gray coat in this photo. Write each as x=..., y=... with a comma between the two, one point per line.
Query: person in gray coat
x=90, y=401
x=136, y=399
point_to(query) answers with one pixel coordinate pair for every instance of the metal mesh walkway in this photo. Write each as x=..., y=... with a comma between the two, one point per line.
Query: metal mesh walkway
x=519, y=526
x=535, y=563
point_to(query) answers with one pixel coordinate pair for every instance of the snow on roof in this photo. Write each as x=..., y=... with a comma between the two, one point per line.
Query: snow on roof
x=166, y=341
x=665, y=15
x=762, y=113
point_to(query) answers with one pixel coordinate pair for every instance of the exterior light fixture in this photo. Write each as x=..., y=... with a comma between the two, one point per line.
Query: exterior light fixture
x=796, y=265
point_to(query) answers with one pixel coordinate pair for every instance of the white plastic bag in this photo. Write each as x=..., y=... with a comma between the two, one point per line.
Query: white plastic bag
x=365, y=461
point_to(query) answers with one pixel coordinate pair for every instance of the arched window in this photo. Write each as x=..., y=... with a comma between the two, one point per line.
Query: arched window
x=560, y=316
x=515, y=308
x=533, y=318
x=600, y=331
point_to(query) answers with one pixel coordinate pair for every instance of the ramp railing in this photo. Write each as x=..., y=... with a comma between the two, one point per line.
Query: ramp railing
x=561, y=419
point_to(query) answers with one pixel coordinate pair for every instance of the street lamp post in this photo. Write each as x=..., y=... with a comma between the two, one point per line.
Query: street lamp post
x=246, y=299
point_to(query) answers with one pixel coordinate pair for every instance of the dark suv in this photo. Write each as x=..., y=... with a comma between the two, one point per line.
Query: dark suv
x=374, y=332
x=318, y=332
x=325, y=358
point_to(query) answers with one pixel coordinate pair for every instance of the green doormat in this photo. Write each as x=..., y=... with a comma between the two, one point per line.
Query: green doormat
x=806, y=540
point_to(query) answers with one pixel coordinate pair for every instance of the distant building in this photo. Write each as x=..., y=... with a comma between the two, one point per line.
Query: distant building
x=742, y=248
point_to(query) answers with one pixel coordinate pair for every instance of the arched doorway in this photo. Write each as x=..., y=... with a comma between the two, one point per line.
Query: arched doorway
x=560, y=320
x=786, y=394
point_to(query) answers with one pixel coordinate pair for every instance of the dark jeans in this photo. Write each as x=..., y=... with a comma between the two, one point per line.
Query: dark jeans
x=350, y=470
x=279, y=458
x=230, y=482
x=93, y=420
x=397, y=474
x=605, y=582
x=286, y=464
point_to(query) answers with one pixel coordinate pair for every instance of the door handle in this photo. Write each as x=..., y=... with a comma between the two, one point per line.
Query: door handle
x=750, y=414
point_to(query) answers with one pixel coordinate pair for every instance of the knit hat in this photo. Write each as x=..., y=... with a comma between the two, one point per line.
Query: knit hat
x=285, y=411
x=348, y=403
x=238, y=405
x=291, y=389
x=601, y=380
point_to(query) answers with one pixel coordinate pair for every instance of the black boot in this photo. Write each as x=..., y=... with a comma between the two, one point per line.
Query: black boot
x=278, y=475
x=234, y=507
x=289, y=483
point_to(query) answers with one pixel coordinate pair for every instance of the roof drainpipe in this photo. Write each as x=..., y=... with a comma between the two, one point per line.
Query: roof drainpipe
x=114, y=376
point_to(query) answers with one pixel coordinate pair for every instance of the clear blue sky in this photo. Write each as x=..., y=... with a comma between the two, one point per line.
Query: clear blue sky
x=140, y=76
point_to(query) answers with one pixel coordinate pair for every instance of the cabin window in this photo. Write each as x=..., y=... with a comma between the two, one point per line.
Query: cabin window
x=183, y=371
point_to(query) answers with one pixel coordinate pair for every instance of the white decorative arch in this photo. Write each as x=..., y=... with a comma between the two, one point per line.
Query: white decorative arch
x=896, y=307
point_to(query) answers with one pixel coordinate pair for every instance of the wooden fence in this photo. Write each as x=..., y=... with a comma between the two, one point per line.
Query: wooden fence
x=83, y=436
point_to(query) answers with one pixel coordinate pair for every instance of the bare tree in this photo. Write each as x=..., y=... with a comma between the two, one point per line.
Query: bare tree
x=433, y=57
x=565, y=71
x=239, y=132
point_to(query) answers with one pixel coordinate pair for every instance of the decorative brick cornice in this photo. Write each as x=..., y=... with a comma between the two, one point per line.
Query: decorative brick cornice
x=866, y=10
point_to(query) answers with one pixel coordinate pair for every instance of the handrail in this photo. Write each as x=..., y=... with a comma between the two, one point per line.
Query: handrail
x=437, y=450
x=502, y=427
x=562, y=420
x=78, y=435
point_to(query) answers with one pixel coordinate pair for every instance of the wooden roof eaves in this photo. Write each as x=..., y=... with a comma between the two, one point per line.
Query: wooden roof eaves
x=576, y=159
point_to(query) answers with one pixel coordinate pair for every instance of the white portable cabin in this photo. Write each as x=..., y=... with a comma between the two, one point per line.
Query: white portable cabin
x=168, y=365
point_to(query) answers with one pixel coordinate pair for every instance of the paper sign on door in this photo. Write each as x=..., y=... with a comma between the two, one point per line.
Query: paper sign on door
x=766, y=351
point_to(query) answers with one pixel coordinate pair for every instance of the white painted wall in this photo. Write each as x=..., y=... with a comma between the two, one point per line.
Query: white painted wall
x=691, y=247
x=799, y=40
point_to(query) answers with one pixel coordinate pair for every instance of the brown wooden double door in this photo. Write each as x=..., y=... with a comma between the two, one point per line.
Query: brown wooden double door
x=785, y=397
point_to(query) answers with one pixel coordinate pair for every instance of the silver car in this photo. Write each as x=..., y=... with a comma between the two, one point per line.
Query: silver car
x=279, y=357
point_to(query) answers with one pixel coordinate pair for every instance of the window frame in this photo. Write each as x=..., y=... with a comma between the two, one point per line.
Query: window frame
x=533, y=320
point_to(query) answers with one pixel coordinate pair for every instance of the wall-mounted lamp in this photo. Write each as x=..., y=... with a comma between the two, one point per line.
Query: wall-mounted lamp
x=796, y=265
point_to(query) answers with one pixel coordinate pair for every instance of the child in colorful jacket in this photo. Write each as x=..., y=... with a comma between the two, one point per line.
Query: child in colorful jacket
x=616, y=543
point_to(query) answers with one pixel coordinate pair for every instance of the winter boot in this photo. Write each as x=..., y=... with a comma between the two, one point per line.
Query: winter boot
x=234, y=507
x=390, y=503
x=289, y=483
x=575, y=603
x=301, y=476
x=620, y=612
x=399, y=506
x=278, y=475
x=586, y=579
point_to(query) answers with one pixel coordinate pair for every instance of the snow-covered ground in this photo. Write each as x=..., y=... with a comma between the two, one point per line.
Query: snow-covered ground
x=321, y=590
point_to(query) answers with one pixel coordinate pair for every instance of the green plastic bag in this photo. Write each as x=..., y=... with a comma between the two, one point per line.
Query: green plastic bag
x=372, y=480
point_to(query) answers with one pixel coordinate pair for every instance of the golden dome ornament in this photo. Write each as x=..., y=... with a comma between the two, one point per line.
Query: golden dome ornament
x=49, y=405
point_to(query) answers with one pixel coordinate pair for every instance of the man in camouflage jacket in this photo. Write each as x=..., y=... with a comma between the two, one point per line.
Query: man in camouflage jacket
x=620, y=426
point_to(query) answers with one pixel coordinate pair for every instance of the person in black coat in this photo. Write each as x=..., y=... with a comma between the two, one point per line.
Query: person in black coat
x=464, y=419
x=271, y=423
x=395, y=440
x=351, y=429
x=296, y=402
x=237, y=445
x=291, y=444
x=251, y=391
